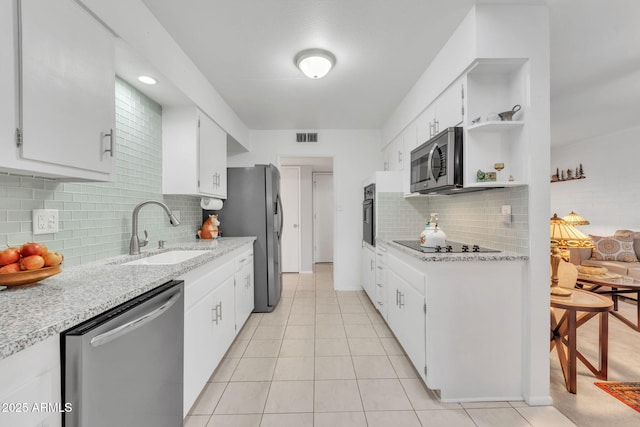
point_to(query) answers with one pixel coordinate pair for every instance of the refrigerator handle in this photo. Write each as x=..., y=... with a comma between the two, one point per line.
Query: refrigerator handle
x=280, y=214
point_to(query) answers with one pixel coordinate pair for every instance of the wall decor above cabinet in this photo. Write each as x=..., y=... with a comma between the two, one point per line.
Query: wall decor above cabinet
x=194, y=154
x=65, y=99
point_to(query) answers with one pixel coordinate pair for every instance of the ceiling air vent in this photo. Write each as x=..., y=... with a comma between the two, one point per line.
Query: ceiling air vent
x=302, y=137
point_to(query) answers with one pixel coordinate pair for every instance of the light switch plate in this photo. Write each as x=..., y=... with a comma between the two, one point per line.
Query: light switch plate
x=505, y=214
x=45, y=221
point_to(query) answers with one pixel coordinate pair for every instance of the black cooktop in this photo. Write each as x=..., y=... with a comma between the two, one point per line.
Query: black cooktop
x=450, y=247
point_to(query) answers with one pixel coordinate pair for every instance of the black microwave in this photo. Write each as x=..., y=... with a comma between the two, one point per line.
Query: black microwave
x=436, y=165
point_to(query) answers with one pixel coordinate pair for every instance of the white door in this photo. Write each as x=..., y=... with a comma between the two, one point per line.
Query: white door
x=323, y=217
x=290, y=194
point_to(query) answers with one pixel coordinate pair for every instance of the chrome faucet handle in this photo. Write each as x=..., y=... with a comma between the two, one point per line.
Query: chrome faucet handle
x=145, y=241
x=161, y=244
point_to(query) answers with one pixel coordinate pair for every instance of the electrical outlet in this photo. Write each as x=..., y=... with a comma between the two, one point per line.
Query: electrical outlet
x=45, y=221
x=505, y=214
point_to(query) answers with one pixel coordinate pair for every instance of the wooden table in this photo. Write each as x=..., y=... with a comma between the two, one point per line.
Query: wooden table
x=615, y=285
x=564, y=337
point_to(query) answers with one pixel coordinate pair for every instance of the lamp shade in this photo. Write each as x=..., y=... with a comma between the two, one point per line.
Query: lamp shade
x=575, y=219
x=563, y=235
x=315, y=63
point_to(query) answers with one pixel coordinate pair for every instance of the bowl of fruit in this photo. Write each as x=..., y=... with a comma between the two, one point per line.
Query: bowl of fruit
x=28, y=264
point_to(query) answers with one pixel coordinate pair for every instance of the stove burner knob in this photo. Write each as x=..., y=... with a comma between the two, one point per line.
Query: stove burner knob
x=465, y=248
x=476, y=248
x=438, y=248
x=449, y=248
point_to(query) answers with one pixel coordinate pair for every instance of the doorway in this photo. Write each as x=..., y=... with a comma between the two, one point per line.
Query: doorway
x=308, y=168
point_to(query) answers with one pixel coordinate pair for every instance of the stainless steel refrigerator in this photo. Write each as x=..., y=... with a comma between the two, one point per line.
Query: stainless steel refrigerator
x=253, y=208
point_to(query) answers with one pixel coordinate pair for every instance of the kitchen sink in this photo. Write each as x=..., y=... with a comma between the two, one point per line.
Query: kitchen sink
x=166, y=258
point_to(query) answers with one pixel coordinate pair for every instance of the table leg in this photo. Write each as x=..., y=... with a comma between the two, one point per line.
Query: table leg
x=604, y=345
x=571, y=359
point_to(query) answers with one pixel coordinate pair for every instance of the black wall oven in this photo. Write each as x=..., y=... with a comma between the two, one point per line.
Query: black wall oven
x=368, y=215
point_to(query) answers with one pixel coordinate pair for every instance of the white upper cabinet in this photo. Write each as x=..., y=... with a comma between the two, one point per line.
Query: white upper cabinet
x=194, y=154
x=66, y=95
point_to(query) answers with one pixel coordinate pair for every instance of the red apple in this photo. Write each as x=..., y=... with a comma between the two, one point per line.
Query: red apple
x=32, y=262
x=10, y=268
x=52, y=259
x=9, y=256
x=32, y=248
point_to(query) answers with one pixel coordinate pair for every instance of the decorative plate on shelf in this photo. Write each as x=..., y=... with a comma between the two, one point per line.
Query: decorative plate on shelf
x=28, y=277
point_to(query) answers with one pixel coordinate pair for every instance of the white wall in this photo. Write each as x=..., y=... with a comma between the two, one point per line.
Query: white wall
x=356, y=153
x=609, y=196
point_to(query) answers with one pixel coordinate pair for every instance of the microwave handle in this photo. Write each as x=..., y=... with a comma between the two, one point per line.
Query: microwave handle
x=430, y=176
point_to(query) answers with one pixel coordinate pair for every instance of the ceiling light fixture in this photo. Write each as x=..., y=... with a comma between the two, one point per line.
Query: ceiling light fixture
x=147, y=80
x=315, y=63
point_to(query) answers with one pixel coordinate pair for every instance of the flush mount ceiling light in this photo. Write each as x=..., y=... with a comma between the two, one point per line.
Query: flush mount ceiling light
x=147, y=80
x=315, y=63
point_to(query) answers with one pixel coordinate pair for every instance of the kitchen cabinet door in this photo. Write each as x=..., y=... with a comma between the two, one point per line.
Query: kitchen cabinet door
x=8, y=88
x=224, y=323
x=30, y=378
x=450, y=106
x=406, y=311
x=368, y=273
x=194, y=154
x=199, y=348
x=212, y=158
x=67, y=87
x=244, y=289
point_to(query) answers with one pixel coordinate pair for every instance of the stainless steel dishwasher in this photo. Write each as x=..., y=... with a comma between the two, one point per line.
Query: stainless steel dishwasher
x=124, y=367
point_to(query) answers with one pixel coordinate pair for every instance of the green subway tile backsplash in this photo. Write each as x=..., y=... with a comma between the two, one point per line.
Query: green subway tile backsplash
x=95, y=218
x=471, y=218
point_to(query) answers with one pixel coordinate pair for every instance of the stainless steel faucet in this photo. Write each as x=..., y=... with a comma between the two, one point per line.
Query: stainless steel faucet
x=136, y=244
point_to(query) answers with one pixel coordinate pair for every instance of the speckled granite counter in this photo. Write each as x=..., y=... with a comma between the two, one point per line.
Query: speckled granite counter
x=32, y=314
x=449, y=257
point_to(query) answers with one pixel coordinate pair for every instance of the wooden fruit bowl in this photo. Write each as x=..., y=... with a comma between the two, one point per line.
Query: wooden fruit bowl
x=29, y=277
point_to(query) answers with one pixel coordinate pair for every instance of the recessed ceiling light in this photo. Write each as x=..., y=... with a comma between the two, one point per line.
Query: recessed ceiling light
x=147, y=80
x=315, y=63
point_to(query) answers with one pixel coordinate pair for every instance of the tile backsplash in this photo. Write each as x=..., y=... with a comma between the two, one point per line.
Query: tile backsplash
x=472, y=217
x=95, y=218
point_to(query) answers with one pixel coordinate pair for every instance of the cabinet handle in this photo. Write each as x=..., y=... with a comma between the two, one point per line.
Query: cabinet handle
x=386, y=166
x=397, y=297
x=380, y=267
x=380, y=285
x=436, y=125
x=220, y=312
x=214, y=314
x=109, y=150
x=401, y=300
x=371, y=265
x=399, y=156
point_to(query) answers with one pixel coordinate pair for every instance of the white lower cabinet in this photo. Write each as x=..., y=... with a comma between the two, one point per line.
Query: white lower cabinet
x=244, y=288
x=30, y=379
x=214, y=304
x=380, y=294
x=406, y=312
x=459, y=322
x=368, y=271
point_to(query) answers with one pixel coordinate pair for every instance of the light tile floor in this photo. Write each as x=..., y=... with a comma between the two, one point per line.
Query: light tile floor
x=326, y=358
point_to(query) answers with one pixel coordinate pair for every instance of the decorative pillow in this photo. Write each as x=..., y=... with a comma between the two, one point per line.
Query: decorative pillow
x=613, y=248
x=636, y=239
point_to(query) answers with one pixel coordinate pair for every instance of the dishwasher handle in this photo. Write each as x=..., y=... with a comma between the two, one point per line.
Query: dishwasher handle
x=121, y=330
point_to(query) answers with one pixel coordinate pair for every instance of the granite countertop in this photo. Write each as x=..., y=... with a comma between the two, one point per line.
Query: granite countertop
x=450, y=257
x=32, y=314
